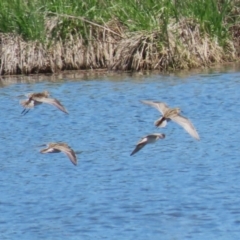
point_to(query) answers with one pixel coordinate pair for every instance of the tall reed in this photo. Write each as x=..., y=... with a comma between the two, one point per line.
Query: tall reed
x=51, y=35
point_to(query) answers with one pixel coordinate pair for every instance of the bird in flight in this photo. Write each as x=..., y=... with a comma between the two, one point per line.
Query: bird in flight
x=174, y=115
x=35, y=99
x=151, y=138
x=61, y=147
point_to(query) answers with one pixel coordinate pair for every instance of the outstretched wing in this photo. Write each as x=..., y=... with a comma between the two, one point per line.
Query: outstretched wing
x=140, y=145
x=69, y=152
x=160, y=106
x=138, y=148
x=51, y=101
x=187, y=125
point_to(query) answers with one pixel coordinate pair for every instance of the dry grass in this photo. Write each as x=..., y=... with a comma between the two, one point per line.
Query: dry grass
x=181, y=46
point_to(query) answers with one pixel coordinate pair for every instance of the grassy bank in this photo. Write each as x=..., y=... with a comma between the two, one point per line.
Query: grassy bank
x=49, y=36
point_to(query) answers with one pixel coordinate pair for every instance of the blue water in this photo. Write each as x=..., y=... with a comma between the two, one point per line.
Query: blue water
x=178, y=188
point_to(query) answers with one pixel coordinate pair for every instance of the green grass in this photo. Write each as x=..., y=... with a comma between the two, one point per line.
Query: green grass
x=211, y=15
x=26, y=17
x=23, y=18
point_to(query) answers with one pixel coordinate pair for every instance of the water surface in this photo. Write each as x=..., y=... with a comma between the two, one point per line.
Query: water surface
x=178, y=188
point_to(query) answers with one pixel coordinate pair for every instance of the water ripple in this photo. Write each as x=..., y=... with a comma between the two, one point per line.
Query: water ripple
x=178, y=188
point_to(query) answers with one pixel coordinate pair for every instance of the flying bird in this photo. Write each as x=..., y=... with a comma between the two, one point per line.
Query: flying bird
x=174, y=115
x=35, y=99
x=61, y=147
x=151, y=138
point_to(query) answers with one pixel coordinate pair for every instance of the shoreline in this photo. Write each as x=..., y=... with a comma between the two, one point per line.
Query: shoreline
x=88, y=75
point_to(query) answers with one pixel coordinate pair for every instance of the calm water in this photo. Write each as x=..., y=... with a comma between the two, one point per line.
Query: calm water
x=177, y=189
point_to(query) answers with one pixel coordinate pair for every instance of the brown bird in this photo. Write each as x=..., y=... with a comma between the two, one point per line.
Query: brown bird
x=61, y=147
x=35, y=99
x=174, y=115
x=151, y=138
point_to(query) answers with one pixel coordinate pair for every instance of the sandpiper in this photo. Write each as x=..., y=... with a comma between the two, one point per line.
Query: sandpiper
x=35, y=99
x=174, y=115
x=61, y=147
x=151, y=138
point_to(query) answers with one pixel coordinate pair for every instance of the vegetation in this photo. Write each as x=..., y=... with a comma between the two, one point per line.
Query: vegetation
x=51, y=35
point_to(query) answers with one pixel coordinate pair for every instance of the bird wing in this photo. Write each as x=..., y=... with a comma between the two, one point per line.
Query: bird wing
x=51, y=101
x=69, y=152
x=160, y=106
x=138, y=148
x=140, y=145
x=187, y=125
